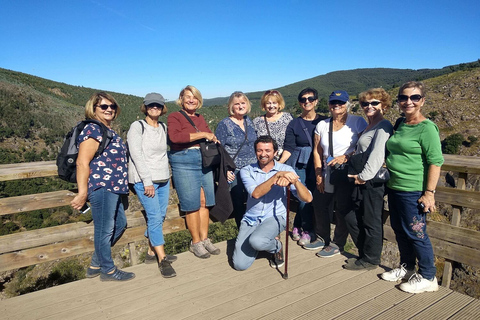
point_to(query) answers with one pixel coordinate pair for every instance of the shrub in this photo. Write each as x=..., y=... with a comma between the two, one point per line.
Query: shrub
x=451, y=144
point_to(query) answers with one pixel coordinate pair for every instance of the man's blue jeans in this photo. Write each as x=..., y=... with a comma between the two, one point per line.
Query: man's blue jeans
x=252, y=239
x=155, y=209
x=109, y=222
x=410, y=226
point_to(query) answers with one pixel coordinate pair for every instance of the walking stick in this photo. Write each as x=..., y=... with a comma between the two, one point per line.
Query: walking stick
x=285, y=273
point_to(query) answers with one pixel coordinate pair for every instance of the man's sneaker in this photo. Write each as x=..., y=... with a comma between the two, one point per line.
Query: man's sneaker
x=418, y=284
x=397, y=274
x=315, y=245
x=92, y=273
x=198, y=249
x=153, y=258
x=328, y=251
x=305, y=239
x=117, y=275
x=210, y=247
x=166, y=268
x=295, y=234
x=360, y=265
x=277, y=259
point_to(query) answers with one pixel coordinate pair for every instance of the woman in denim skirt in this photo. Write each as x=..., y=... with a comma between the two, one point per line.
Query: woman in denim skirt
x=193, y=182
x=102, y=180
x=148, y=172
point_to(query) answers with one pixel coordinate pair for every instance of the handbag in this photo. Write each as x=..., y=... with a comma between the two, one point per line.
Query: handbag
x=208, y=149
x=338, y=173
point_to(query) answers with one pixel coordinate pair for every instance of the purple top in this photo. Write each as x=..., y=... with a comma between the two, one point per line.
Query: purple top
x=109, y=169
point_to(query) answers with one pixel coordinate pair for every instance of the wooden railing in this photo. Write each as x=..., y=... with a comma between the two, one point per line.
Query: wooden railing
x=22, y=249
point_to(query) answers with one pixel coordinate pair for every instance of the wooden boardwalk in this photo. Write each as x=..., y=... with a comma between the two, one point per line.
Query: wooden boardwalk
x=317, y=288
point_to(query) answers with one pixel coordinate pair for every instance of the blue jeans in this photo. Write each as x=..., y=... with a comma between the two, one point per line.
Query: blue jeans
x=155, y=209
x=109, y=222
x=410, y=226
x=239, y=197
x=304, y=217
x=252, y=239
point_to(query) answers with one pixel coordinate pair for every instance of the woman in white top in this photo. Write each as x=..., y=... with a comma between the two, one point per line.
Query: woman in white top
x=345, y=130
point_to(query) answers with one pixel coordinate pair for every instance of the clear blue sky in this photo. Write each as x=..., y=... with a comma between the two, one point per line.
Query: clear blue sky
x=139, y=46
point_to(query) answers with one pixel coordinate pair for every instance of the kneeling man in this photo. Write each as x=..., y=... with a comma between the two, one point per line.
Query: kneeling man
x=265, y=218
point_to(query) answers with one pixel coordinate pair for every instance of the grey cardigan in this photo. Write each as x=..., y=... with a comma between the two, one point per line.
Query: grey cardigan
x=148, y=153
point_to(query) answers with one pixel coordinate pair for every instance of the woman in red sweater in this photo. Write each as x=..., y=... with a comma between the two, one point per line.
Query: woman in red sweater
x=194, y=184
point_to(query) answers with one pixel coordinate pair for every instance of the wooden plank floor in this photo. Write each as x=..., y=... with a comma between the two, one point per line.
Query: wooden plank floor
x=317, y=288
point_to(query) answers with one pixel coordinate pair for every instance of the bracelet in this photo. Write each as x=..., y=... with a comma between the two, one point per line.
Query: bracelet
x=432, y=191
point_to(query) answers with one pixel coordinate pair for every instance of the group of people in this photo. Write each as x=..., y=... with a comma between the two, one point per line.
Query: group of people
x=272, y=154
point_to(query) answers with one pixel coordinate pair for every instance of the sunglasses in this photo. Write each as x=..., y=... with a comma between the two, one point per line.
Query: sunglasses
x=366, y=104
x=334, y=102
x=304, y=100
x=413, y=98
x=154, y=105
x=104, y=107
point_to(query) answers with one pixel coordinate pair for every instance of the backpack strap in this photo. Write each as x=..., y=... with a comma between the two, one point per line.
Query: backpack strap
x=398, y=122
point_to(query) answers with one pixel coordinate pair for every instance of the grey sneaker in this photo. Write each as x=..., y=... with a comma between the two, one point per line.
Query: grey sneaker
x=198, y=249
x=329, y=251
x=277, y=260
x=166, y=268
x=315, y=245
x=210, y=247
x=117, y=275
x=400, y=273
x=153, y=259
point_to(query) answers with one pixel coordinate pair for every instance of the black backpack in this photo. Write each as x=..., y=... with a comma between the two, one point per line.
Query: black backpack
x=67, y=158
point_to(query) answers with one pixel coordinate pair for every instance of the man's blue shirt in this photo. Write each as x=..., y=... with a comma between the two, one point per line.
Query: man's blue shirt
x=274, y=203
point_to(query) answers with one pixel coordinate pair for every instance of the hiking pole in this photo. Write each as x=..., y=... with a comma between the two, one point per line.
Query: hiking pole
x=285, y=273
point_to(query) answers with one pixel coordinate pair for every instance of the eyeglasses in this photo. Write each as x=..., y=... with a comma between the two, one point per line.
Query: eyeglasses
x=366, y=104
x=334, y=102
x=304, y=100
x=413, y=98
x=271, y=92
x=104, y=107
x=154, y=105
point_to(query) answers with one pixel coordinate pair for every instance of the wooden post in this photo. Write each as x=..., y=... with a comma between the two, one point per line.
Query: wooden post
x=133, y=253
x=456, y=217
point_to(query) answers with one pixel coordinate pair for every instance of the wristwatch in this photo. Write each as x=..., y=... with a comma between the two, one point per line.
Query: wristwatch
x=432, y=191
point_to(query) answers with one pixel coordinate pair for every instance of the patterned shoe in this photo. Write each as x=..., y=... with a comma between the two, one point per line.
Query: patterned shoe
x=315, y=245
x=117, y=275
x=305, y=239
x=418, y=284
x=400, y=273
x=210, y=247
x=199, y=250
x=295, y=234
x=329, y=251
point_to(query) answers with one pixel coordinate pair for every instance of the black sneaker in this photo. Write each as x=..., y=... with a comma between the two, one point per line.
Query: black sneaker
x=117, y=275
x=153, y=259
x=360, y=265
x=92, y=273
x=166, y=268
x=277, y=258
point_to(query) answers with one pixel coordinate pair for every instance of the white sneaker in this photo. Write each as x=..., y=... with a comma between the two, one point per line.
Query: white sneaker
x=397, y=274
x=418, y=284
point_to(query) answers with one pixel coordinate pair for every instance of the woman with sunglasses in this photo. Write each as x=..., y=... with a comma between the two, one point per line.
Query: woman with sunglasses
x=193, y=182
x=148, y=172
x=103, y=181
x=366, y=226
x=237, y=134
x=344, y=130
x=298, y=154
x=414, y=160
x=274, y=122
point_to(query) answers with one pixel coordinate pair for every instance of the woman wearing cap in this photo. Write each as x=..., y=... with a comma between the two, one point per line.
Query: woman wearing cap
x=414, y=160
x=194, y=184
x=345, y=131
x=237, y=134
x=368, y=193
x=274, y=122
x=103, y=180
x=298, y=154
x=149, y=174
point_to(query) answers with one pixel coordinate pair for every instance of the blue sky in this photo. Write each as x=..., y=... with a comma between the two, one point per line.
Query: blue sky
x=137, y=47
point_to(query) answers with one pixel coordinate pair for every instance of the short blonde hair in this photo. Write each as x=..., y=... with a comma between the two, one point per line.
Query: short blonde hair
x=278, y=97
x=238, y=94
x=378, y=94
x=143, y=108
x=195, y=93
x=94, y=100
